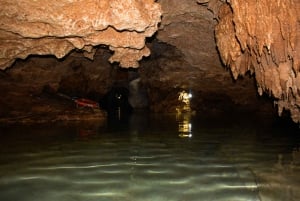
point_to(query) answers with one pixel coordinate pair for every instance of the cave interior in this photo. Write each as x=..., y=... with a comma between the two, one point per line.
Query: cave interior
x=150, y=100
x=185, y=59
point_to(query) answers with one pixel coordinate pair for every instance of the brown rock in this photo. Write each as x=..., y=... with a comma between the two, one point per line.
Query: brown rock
x=263, y=37
x=56, y=27
x=249, y=35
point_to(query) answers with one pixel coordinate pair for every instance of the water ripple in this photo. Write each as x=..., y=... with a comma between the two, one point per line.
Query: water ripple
x=138, y=167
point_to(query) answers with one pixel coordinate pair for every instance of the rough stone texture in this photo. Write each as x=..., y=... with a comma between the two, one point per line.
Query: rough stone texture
x=30, y=88
x=183, y=56
x=192, y=61
x=190, y=28
x=44, y=27
x=263, y=37
x=167, y=72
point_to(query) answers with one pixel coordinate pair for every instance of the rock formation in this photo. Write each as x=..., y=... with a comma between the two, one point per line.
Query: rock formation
x=263, y=38
x=185, y=57
x=43, y=27
x=249, y=36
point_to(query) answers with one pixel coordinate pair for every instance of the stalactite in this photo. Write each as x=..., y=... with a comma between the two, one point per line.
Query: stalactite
x=56, y=27
x=268, y=32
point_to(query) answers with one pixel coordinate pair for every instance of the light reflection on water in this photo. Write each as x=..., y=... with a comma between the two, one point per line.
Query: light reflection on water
x=184, y=125
x=147, y=159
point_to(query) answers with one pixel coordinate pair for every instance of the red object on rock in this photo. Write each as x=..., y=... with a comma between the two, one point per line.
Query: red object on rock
x=83, y=102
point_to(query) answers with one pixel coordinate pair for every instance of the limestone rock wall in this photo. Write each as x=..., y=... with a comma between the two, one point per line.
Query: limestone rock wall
x=192, y=61
x=263, y=38
x=43, y=27
x=190, y=28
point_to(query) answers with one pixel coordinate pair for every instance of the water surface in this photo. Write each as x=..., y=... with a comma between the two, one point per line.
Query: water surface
x=151, y=158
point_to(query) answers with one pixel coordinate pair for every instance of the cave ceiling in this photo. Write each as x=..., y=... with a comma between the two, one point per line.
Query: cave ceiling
x=56, y=27
x=236, y=49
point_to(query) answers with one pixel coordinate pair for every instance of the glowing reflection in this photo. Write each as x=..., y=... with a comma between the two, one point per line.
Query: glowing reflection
x=184, y=113
x=184, y=125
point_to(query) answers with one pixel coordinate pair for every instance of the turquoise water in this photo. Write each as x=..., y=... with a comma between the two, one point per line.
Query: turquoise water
x=151, y=158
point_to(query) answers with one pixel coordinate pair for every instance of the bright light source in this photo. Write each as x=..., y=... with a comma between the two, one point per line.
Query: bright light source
x=185, y=97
